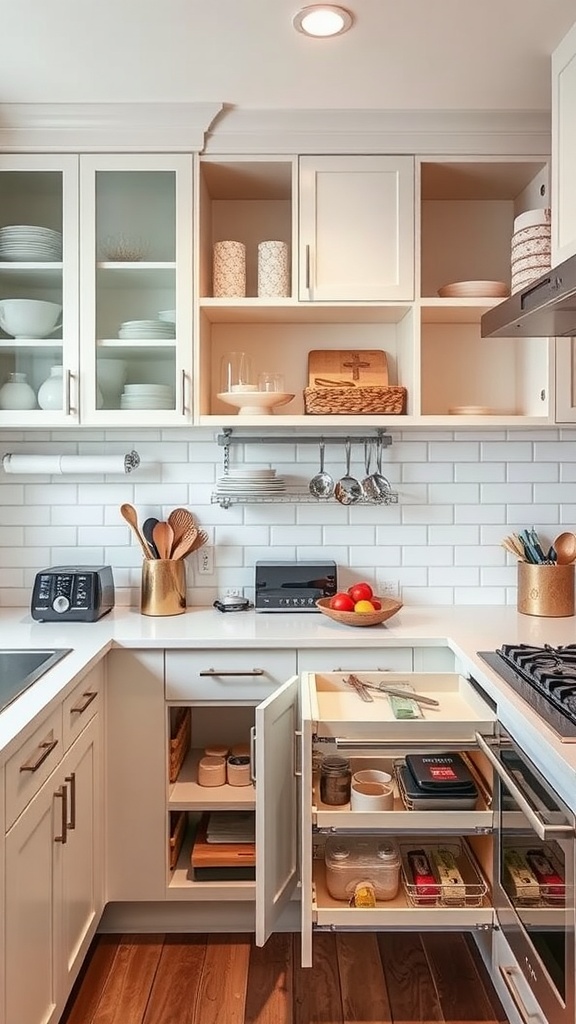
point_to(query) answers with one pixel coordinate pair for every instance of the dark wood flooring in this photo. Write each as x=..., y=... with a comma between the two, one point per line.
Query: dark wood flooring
x=225, y=979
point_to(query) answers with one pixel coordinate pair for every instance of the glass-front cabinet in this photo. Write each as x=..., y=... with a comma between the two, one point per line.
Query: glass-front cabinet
x=39, y=351
x=136, y=235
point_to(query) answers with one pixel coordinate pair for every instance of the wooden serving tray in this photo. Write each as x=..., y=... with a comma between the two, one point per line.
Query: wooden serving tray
x=343, y=368
x=224, y=855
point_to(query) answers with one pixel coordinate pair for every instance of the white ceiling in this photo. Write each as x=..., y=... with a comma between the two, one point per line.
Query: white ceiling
x=408, y=54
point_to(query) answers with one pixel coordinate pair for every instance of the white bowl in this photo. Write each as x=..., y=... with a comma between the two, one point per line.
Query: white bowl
x=29, y=318
x=167, y=314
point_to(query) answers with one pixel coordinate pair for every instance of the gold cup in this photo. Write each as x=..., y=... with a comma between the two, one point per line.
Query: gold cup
x=545, y=589
x=163, y=586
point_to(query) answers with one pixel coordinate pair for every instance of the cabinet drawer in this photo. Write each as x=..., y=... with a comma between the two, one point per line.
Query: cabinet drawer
x=324, y=659
x=30, y=766
x=81, y=705
x=214, y=675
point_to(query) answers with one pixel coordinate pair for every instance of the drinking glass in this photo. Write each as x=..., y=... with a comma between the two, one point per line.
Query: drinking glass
x=270, y=382
x=236, y=373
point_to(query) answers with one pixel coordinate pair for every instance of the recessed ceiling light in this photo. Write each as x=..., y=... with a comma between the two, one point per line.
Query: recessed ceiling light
x=322, y=20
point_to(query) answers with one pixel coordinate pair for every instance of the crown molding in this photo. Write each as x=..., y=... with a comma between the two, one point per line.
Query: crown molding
x=129, y=127
x=380, y=131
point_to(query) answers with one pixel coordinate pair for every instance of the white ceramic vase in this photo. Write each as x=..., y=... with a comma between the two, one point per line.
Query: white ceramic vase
x=16, y=393
x=229, y=270
x=51, y=391
x=273, y=271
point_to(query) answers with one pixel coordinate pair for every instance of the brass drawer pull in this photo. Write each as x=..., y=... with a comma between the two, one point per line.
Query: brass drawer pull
x=72, y=780
x=247, y=672
x=89, y=696
x=62, y=794
x=45, y=749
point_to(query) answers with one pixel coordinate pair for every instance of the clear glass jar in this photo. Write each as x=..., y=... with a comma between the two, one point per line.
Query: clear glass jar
x=335, y=780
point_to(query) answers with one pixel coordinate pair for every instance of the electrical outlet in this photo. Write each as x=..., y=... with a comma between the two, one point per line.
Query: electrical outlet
x=233, y=592
x=388, y=588
x=206, y=561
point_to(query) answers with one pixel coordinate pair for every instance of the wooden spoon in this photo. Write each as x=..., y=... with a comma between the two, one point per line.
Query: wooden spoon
x=184, y=545
x=565, y=548
x=181, y=520
x=163, y=535
x=129, y=513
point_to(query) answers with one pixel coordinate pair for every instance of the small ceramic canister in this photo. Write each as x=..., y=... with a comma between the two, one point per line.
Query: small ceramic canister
x=229, y=269
x=238, y=771
x=273, y=270
x=371, y=796
x=211, y=771
x=216, y=750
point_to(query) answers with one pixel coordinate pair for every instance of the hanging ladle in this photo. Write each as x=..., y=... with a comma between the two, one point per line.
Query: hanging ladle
x=321, y=485
x=348, y=490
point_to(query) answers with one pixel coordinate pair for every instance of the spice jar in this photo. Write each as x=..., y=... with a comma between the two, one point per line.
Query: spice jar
x=335, y=779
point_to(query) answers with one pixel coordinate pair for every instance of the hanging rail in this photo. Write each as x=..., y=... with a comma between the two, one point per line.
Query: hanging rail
x=228, y=437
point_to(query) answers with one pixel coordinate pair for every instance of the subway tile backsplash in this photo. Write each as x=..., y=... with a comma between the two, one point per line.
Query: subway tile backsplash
x=459, y=494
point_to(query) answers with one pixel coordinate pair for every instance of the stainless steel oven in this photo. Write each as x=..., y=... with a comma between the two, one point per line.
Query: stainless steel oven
x=534, y=852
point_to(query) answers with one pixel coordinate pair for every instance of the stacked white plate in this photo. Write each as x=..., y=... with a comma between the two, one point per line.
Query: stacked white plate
x=263, y=482
x=474, y=290
x=531, y=247
x=30, y=243
x=143, y=330
x=147, y=396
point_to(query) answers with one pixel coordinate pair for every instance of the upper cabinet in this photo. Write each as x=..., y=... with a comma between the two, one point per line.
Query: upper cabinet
x=356, y=228
x=564, y=149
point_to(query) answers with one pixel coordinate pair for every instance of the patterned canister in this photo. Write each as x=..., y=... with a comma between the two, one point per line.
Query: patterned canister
x=273, y=270
x=229, y=270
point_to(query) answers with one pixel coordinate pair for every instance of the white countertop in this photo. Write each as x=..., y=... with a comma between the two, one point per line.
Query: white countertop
x=465, y=630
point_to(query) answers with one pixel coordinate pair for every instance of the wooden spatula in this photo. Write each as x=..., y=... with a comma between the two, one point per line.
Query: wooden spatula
x=163, y=536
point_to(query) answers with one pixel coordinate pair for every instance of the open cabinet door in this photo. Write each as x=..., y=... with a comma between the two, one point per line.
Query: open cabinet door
x=276, y=806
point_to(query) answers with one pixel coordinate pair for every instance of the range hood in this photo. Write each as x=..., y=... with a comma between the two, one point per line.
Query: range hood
x=545, y=308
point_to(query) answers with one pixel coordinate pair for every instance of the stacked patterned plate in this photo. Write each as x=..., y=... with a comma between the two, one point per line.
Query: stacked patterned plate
x=30, y=243
x=251, y=483
x=147, y=396
x=531, y=247
x=144, y=330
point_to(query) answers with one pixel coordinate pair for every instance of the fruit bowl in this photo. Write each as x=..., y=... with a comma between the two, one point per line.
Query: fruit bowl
x=388, y=609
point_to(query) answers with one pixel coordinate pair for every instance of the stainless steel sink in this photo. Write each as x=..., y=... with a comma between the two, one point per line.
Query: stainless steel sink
x=20, y=668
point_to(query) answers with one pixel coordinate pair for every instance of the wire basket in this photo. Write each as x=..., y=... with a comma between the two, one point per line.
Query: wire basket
x=468, y=890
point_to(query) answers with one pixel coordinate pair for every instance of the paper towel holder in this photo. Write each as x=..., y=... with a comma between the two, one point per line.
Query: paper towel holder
x=59, y=464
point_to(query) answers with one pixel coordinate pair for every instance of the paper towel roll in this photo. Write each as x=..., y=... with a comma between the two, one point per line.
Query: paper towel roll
x=61, y=464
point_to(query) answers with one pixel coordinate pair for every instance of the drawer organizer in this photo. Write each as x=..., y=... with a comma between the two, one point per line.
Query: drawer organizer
x=454, y=879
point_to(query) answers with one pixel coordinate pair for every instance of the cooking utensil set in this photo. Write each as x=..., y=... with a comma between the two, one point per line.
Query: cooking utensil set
x=174, y=539
x=526, y=547
x=374, y=488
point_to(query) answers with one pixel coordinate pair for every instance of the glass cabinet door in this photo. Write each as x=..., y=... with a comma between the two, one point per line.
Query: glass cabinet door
x=38, y=290
x=136, y=273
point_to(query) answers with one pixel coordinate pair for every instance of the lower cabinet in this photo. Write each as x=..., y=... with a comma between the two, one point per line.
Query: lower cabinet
x=53, y=875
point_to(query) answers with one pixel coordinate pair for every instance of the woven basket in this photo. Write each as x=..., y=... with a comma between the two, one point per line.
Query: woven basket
x=180, y=736
x=371, y=400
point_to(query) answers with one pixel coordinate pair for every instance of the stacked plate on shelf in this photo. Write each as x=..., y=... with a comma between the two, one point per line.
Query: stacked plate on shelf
x=30, y=243
x=144, y=330
x=251, y=482
x=531, y=251
x=147, y=396
x=474, y=290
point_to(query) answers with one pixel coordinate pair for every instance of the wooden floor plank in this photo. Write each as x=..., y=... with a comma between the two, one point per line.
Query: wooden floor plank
x=460, y=991
x=177, y=981
x=317, y=998
x=497, y=1008
x=411, y=989
x=127, y=991
x=269, y=992
x=222, y=990
x=83, y=1003
x=362, y=981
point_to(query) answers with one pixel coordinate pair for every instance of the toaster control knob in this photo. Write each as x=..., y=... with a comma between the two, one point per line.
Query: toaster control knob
x=61, y=603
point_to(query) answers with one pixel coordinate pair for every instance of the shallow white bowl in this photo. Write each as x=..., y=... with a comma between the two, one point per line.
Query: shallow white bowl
x=29, y=318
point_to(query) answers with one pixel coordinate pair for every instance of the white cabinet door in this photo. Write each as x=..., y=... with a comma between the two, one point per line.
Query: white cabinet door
x=563, y=196
x=276, y=806
x=565, y=380
x=356, y=228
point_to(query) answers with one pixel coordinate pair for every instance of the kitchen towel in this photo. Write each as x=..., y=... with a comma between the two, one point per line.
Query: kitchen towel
x=62, y=464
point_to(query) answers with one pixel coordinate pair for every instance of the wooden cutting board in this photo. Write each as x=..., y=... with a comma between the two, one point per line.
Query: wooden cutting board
x=205, y=854
x=361, y=368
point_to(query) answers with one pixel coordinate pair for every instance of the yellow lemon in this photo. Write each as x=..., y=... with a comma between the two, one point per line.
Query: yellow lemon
x=363, y=606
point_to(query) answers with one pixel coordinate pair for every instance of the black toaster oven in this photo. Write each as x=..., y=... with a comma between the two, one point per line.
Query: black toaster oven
x=293, y=586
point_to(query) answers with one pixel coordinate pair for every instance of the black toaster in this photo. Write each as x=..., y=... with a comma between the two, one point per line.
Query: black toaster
x=75, y=593
x=293, y=586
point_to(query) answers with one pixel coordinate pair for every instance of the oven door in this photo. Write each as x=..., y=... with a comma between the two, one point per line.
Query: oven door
x=534, y=877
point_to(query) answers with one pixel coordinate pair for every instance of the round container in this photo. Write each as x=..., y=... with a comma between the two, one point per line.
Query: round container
x=371, y=796
x=216, y=750
x=357, y=860
x=16, y=393
x=229, y=269
x=273, y=270
x=211, y=771
x=238, y=770
x=335, y=780
x=163, y=590
x=372, y=775
x=51, y=391
x=546, y=590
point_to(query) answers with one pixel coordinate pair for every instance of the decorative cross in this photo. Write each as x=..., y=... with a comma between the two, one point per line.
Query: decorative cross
x=356, y=364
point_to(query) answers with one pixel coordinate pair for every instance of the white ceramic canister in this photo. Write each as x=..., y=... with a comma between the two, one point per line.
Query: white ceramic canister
x=16, y=393
x=51, y=391
x=229, y=270
x=273, y=270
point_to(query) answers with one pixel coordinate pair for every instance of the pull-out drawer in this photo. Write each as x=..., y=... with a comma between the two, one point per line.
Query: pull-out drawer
x=80, y=706
x=227, y=675
x=30, y=766
x=351, y=659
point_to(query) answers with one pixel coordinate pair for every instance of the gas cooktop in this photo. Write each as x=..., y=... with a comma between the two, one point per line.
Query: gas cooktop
x=546, y=679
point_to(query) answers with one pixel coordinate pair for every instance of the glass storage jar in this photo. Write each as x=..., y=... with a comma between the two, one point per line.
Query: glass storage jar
x=335, y=780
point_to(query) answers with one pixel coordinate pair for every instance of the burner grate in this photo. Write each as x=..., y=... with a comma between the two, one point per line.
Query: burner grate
x=551, y=671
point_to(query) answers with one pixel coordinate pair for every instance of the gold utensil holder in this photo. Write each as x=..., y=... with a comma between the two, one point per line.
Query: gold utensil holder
x=545, y=589
x=163, y=586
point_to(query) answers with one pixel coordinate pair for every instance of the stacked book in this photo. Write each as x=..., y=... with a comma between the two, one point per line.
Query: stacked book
x=224, y=847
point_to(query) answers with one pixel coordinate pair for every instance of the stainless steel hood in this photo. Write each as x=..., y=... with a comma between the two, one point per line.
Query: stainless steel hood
x=545, y=308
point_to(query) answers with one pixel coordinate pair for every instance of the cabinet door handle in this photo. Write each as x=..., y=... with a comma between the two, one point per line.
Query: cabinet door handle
x=62, y=794
x=508, y=979
x=232, y=672
x=67, y=393
x=71, y=824
x=44, y=750
x=88, y=697
x=297, y=754
x=253, y=753
x=308, y=268
x=183, y=392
